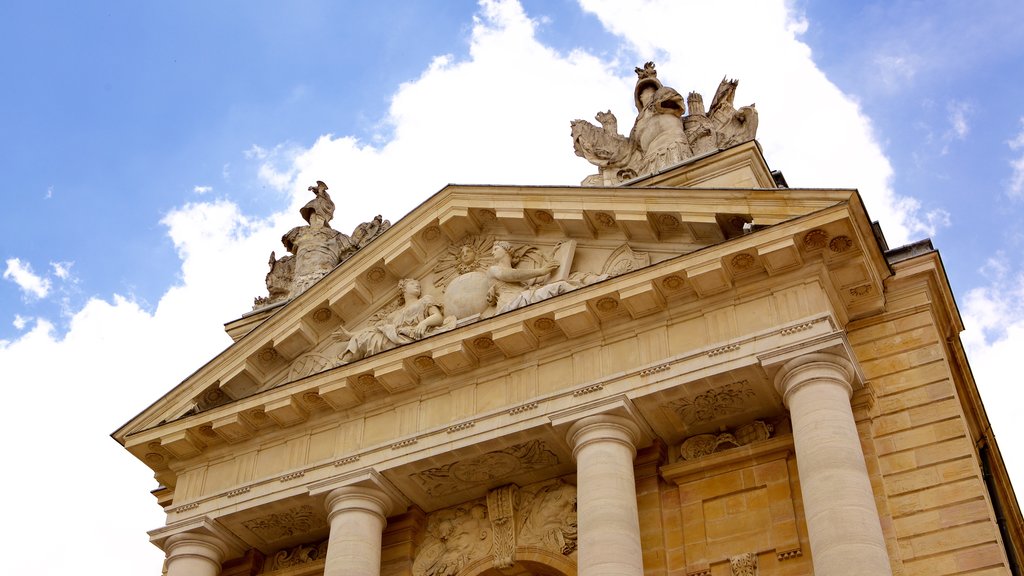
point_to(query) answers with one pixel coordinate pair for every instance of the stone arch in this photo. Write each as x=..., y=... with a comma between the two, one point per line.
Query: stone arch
x=530, y=561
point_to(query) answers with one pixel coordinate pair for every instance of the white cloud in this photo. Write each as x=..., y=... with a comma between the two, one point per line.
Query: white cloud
x=202, y=189
x=31, y=284
x=20, y=322
x=993, y=317
x=49, y=193
x=1015, y=188
x=62, y=270
x=895, y=72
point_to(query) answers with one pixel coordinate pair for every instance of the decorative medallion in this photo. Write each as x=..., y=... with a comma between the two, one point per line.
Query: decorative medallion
x=256, y=415
x=483, y=343
x=742, y=261
x=366, y=380
x=714, y=403
x=544, y=324
x=607, y=304
x=624, y=260
x=423, y=362
x=673, y=282
x=313, y=398
x=668, y=222
x=322, y=315
x=862, y=290
x=543, y=216
x=267, y=355
x=840, y=244
x=489, y=467
x=487, y=215
x=815, y=239
x=376, y=274
x=605, y=219
x=206, y=431
x=296, y=521
x=154, y=445
x=154, y=459
x=431, y=233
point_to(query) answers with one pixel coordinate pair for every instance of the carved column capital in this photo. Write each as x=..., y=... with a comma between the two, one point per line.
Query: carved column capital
x=194, y=554
x=362, y=498
x=816, y=368
x=603, y=428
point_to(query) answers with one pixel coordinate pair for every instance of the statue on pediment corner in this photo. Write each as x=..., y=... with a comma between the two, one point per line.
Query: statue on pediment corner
x=663, y=135
x=315, y=249
x=415, y=317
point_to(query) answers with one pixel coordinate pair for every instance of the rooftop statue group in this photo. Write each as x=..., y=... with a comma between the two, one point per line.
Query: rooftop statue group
x=480, y=276
x=315, y=249
x=663, y=134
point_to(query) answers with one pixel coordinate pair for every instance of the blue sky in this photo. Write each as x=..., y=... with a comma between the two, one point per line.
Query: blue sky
x=153, y=154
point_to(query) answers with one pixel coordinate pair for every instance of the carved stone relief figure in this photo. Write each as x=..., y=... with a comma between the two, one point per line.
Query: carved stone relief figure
x=661, y=136
x=548, y=512
x=315, y=249
x=416, y=317
x=455, y=537
x=486, y=468
x=513, y=288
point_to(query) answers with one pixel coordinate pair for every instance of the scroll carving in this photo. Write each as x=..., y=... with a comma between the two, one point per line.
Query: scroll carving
x=301, y=554
x=315, y=249
x=663, y=133
x=744, y=564
x=704, y=444
x=501, y=505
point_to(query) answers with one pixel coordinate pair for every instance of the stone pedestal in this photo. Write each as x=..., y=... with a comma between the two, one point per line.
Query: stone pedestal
x=842, y=519
x=357, y=516
x=609, y=528
x=193, y=554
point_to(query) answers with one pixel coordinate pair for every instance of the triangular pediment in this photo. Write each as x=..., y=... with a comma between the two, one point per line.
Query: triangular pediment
x=607, y=253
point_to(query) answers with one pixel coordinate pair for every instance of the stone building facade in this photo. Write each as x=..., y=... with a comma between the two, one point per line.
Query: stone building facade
x=683, y=367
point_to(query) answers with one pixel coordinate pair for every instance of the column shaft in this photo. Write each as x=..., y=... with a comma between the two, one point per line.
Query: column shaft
x=839, y=505
x=608, y=523
x=357, y=516
x=192, y=554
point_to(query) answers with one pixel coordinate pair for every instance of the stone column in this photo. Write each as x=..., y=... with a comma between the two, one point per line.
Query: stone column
x=842, y=519
x=357, y=516
x=194, y=554
x=609, y=528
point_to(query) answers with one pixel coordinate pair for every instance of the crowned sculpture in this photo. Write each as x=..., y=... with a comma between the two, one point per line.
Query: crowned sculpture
x=663, y=134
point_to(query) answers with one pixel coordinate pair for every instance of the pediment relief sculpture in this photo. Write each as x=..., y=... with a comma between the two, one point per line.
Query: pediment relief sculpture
x=314, y=249
x=663, y=134
x=476, y=278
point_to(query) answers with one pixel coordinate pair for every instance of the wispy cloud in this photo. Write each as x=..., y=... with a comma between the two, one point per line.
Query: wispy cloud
x=31, y=284
x=62, y=270
x=202, y=189
x=20, y=321
x=958, y=118
x=1016, y=185
x=49, y=193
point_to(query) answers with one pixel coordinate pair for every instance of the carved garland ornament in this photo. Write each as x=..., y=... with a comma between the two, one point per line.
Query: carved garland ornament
x=486, y=468
x=281, y=525
x=714, y=403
